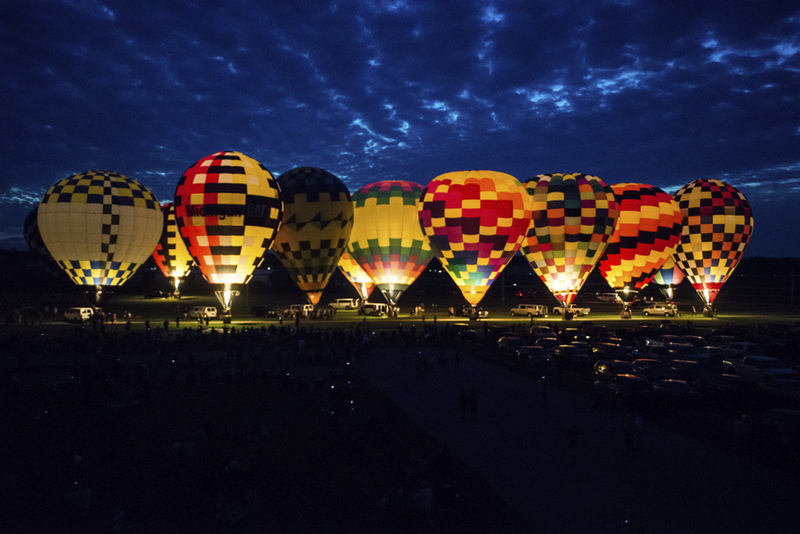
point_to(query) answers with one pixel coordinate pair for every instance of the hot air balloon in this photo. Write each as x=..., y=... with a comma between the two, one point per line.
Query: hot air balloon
x=316, y=225
x=33, y=239
x=574, y=216
x=387, y=241
x=668, y=278
x=171, y=254
x=648, y=228
x=475, y=222
x=100, y=226
x=356, y=275
x=228, y=210
x=718, y=223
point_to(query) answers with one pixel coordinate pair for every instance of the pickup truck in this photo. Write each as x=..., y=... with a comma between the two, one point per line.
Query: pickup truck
x=759, y=368
x=576, y=311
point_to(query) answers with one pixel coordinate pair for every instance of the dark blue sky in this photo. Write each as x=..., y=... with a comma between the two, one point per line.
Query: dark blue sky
x=629, y=90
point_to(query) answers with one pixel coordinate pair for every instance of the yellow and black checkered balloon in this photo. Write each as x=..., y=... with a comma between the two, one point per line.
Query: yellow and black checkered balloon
x=718, y=224
x=171, y=254
x=316, y=225
x=100, y=226
x=574, y=216
x=475, y=222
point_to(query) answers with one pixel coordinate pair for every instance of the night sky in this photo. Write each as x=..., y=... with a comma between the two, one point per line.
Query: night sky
x=629, y=90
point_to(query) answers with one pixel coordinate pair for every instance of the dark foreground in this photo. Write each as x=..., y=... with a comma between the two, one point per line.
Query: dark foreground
x=239, y=434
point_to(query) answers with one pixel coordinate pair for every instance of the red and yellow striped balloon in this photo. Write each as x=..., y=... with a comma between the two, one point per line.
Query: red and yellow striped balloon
x=648, y=228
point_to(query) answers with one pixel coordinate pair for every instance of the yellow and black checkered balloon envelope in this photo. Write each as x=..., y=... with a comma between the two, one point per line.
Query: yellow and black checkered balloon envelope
x=171, y=255
x=648, y=228
x=100, y=226
x=718, y=224
x=387, y=241
x=574, y=216
x=475, y=222
x=228, y=210
x=316, y=225
x=356, y=275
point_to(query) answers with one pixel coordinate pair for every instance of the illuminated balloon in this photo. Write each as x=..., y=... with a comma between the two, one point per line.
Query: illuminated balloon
x=100, y=226
x=475, y=222
x=356, y=275
x=648, y=228
x=387, y=241
x=317, y=221
x=668, y=278
x=718, y=223
x=171, y=254
x=228, y=210
x=573, y=219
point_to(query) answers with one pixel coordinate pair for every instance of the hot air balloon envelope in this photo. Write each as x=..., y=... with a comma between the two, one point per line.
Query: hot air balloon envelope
x=475, y=222
x=317, y=221
x=387, y=241
x=574, y=216
x=718, y=224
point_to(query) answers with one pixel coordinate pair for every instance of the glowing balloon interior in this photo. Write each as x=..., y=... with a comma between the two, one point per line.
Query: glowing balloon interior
x=356, y=275
x=387, y=241
x=718, y=224
x=475, y=222
x=171, y=255
x=668, y=278
x=648, y=228
x=574, y=216
x=317, y=221
x=100, y=226
x=228, y=210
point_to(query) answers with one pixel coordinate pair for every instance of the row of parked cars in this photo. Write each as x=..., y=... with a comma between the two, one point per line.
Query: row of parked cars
x=679, y=370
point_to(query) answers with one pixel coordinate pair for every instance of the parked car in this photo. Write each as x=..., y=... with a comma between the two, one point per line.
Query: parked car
x=572, y=356
x=509, y=344
x=529, y=310
x=345, y=304
x=373, y=308
x=624, y=390
x=263, y=311
x=699, y=376
x=675, y=393
x=603, y=369
x=78, y=315
x=203, y=311
x=528, y=355
x=661, y=309
x=655, y=369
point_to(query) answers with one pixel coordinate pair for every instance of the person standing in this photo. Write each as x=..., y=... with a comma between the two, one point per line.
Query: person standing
x=473, y=404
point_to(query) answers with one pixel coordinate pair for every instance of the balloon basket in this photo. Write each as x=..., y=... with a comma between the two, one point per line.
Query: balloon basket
x=625, y=314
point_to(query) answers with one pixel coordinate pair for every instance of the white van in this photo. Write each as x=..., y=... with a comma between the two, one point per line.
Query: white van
x=78, y=315
x=203, y=311
x=345, y=304
x=529, y=310
x=374, y=308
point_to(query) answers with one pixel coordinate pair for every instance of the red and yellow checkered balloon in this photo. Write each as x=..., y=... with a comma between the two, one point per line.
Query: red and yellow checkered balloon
x=475, y=222
x=574, y=216
x=387, y=241
x=718, y=224
x=228, y=209
x=648, y=228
